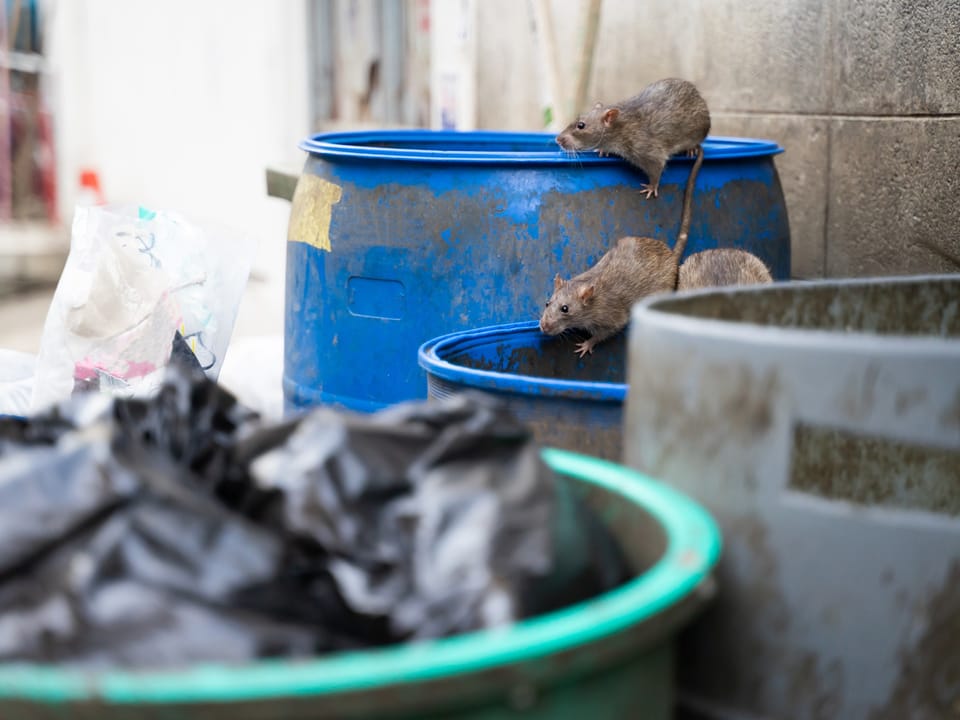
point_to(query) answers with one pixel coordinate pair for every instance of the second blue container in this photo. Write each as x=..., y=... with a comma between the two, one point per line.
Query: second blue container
x=568, y=402
x=396, y=237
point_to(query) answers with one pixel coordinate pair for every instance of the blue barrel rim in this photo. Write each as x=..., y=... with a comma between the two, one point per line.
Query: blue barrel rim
x=430, y=360
x=694, y=544
x=359, y=145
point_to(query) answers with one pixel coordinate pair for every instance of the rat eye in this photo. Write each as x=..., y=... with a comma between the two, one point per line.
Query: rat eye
x=581, y=125
x=547, y=304
x=564, y=308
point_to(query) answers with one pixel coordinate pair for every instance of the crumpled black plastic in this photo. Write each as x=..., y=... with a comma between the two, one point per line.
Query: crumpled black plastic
x=181, y=528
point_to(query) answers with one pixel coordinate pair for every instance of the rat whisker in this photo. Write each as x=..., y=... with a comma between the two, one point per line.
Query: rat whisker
x=599, y=145
x=572, y=155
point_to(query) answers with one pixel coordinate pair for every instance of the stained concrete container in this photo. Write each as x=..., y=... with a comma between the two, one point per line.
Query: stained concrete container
x=820, y=423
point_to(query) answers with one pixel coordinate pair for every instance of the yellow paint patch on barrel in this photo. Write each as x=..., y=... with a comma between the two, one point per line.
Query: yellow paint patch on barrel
x=311, y=211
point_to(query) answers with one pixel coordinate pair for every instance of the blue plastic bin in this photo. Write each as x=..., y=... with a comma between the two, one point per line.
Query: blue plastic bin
x=396, y=237
x=568, y=402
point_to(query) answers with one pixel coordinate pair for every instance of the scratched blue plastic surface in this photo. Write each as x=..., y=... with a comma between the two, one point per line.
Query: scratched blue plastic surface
x=495, y=360
x=439, y=231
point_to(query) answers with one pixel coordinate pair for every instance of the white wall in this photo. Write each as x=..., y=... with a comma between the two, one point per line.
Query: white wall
x=182, y=104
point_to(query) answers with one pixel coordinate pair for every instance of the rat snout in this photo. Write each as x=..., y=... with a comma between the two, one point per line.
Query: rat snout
x=562, y=141
x=546, y=326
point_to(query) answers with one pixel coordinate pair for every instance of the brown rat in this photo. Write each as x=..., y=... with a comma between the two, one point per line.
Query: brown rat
x=668, y=116
x=722, y=266
x=599, y=299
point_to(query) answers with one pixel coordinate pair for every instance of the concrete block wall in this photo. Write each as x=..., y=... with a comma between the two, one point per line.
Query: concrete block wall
x=864, y=95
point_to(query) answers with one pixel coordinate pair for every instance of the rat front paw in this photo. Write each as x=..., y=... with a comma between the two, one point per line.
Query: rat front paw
x=585, y=347
x=648, y=191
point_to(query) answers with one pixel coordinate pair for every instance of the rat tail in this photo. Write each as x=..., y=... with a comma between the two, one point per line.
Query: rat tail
x=681, y=243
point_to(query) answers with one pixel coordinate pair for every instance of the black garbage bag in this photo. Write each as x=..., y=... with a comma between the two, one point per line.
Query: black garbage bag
x=181, y=528
x=438, y=516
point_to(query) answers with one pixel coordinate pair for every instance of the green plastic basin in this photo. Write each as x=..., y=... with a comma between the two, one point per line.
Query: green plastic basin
x=610, y=657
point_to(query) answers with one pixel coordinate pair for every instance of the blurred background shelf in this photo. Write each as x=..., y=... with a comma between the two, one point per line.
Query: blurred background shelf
x=32, y=255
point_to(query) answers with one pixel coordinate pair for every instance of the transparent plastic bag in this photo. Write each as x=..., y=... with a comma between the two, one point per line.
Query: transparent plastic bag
x=135, y=278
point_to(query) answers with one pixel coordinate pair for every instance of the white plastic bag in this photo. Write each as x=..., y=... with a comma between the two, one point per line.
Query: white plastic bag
x=16, y=382
x=133, y=279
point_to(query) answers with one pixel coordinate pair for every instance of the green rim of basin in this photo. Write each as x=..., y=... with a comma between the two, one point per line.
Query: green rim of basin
x=693, y=546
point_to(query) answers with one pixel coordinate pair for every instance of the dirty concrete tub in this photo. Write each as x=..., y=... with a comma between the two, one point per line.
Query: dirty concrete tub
x=571, y=403
x=820, y=423
x=396, y=237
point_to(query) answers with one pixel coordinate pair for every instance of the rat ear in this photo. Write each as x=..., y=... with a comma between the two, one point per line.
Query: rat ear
x=610, y=115
x=585, y=293
x=557, y=282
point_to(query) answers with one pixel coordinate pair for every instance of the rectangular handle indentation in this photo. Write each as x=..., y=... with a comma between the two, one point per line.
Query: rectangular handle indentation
x=376, y=298
x=840, y=465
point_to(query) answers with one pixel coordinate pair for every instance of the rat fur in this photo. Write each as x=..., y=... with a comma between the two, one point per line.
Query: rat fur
x=722, y=266
x=599, y=299
x=668, y=116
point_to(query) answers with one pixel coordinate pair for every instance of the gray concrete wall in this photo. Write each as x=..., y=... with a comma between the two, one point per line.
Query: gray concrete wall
x=863, y=94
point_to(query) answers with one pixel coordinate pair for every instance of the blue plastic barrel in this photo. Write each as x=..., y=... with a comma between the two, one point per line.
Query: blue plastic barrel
x=396, y=237
x=568, y=402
